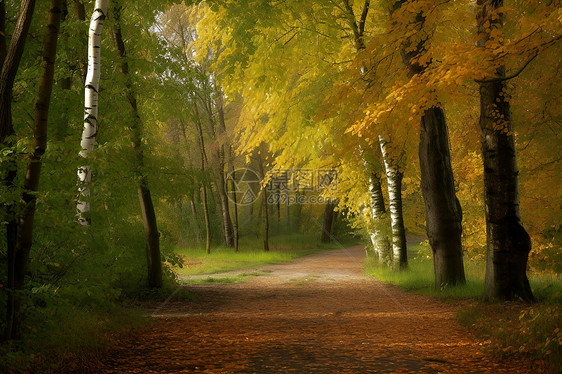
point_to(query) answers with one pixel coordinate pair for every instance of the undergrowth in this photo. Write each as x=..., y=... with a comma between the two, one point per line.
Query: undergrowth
x=513, y=328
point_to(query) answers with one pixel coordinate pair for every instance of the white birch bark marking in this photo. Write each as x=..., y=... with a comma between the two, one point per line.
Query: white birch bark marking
x=90, y=109
x=394, y=200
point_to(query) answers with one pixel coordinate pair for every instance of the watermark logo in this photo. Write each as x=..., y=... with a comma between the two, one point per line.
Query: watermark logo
x=284, y=186
x=243, y=186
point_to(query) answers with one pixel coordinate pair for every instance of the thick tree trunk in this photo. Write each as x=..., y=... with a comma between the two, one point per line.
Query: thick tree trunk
x=33, y=173
x=508, y=243
x=328, y=221
x=394, y=179
x=90, y=110
x=152, y=237
x=17, y=260
x=443, y=213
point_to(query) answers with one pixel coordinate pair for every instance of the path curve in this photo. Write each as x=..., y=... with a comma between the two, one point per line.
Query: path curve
x=317, y=314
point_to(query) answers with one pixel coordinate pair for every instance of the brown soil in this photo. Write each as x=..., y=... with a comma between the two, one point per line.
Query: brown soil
x=317, y=314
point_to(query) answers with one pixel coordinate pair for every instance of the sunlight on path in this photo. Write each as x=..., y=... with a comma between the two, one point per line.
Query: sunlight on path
x=316, y=314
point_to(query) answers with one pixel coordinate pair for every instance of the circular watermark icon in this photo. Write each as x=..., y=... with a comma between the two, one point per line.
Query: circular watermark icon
x=243, y=186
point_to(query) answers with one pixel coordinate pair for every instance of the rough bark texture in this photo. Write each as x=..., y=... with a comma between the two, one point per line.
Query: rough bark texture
x=17, y=260
x=379, y=236
x=394, y=177
x=443, y=213
x=91, y=89
x=328, y=222
x=508, y=243
x=152, y=236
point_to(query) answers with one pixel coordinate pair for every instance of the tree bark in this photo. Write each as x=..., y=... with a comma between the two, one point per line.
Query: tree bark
x=379, y=234
x=3, y=50
x=152, y=236
x=91, y=110
x=508, y=243
x=394, y=177
x=443, y=214
x=9, y=68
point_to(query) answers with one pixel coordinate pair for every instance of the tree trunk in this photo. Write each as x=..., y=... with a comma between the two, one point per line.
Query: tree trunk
x=379, y=234
x=17, y=260
x=91, y=110
x=443, y=213
x=327, y=222
x=3, y=50
x=508, y=243
x=204, y=184
x=152, y=237
x=222, y=187
x=229, y=234
x=394, y=179
x=234, y=200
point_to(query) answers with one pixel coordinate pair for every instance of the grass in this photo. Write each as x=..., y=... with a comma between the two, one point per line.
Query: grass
x=283, y=248
x=512, y=328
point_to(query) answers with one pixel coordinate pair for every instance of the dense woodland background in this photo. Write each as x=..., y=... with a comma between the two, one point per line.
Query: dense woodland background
x=192, y=91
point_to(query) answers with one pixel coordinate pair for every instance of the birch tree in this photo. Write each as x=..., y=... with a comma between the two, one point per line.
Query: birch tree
x=394, y=177
x=91, y=89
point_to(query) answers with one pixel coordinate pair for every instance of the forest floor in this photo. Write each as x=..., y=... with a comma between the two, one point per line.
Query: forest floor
x=315, y=314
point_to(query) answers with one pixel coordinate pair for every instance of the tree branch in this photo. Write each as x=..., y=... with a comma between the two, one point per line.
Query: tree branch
x=363, y=18
x=514, y=75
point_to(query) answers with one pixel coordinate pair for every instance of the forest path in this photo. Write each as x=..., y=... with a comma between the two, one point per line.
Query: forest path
x=316, y=314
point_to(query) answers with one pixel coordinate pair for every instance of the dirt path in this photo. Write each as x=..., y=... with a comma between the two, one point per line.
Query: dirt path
x=317, y=314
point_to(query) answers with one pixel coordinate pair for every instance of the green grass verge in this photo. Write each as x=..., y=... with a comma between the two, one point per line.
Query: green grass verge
x=512, y=328
x=283, y=248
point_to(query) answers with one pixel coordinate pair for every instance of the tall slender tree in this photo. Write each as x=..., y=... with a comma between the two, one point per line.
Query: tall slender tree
x=9, y=68
x=152, y=236
x=90, y=109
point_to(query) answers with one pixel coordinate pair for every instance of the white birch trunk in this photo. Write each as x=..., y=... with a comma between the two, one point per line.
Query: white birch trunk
x=394, y=177
x=379, y=234
x=90, y=109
